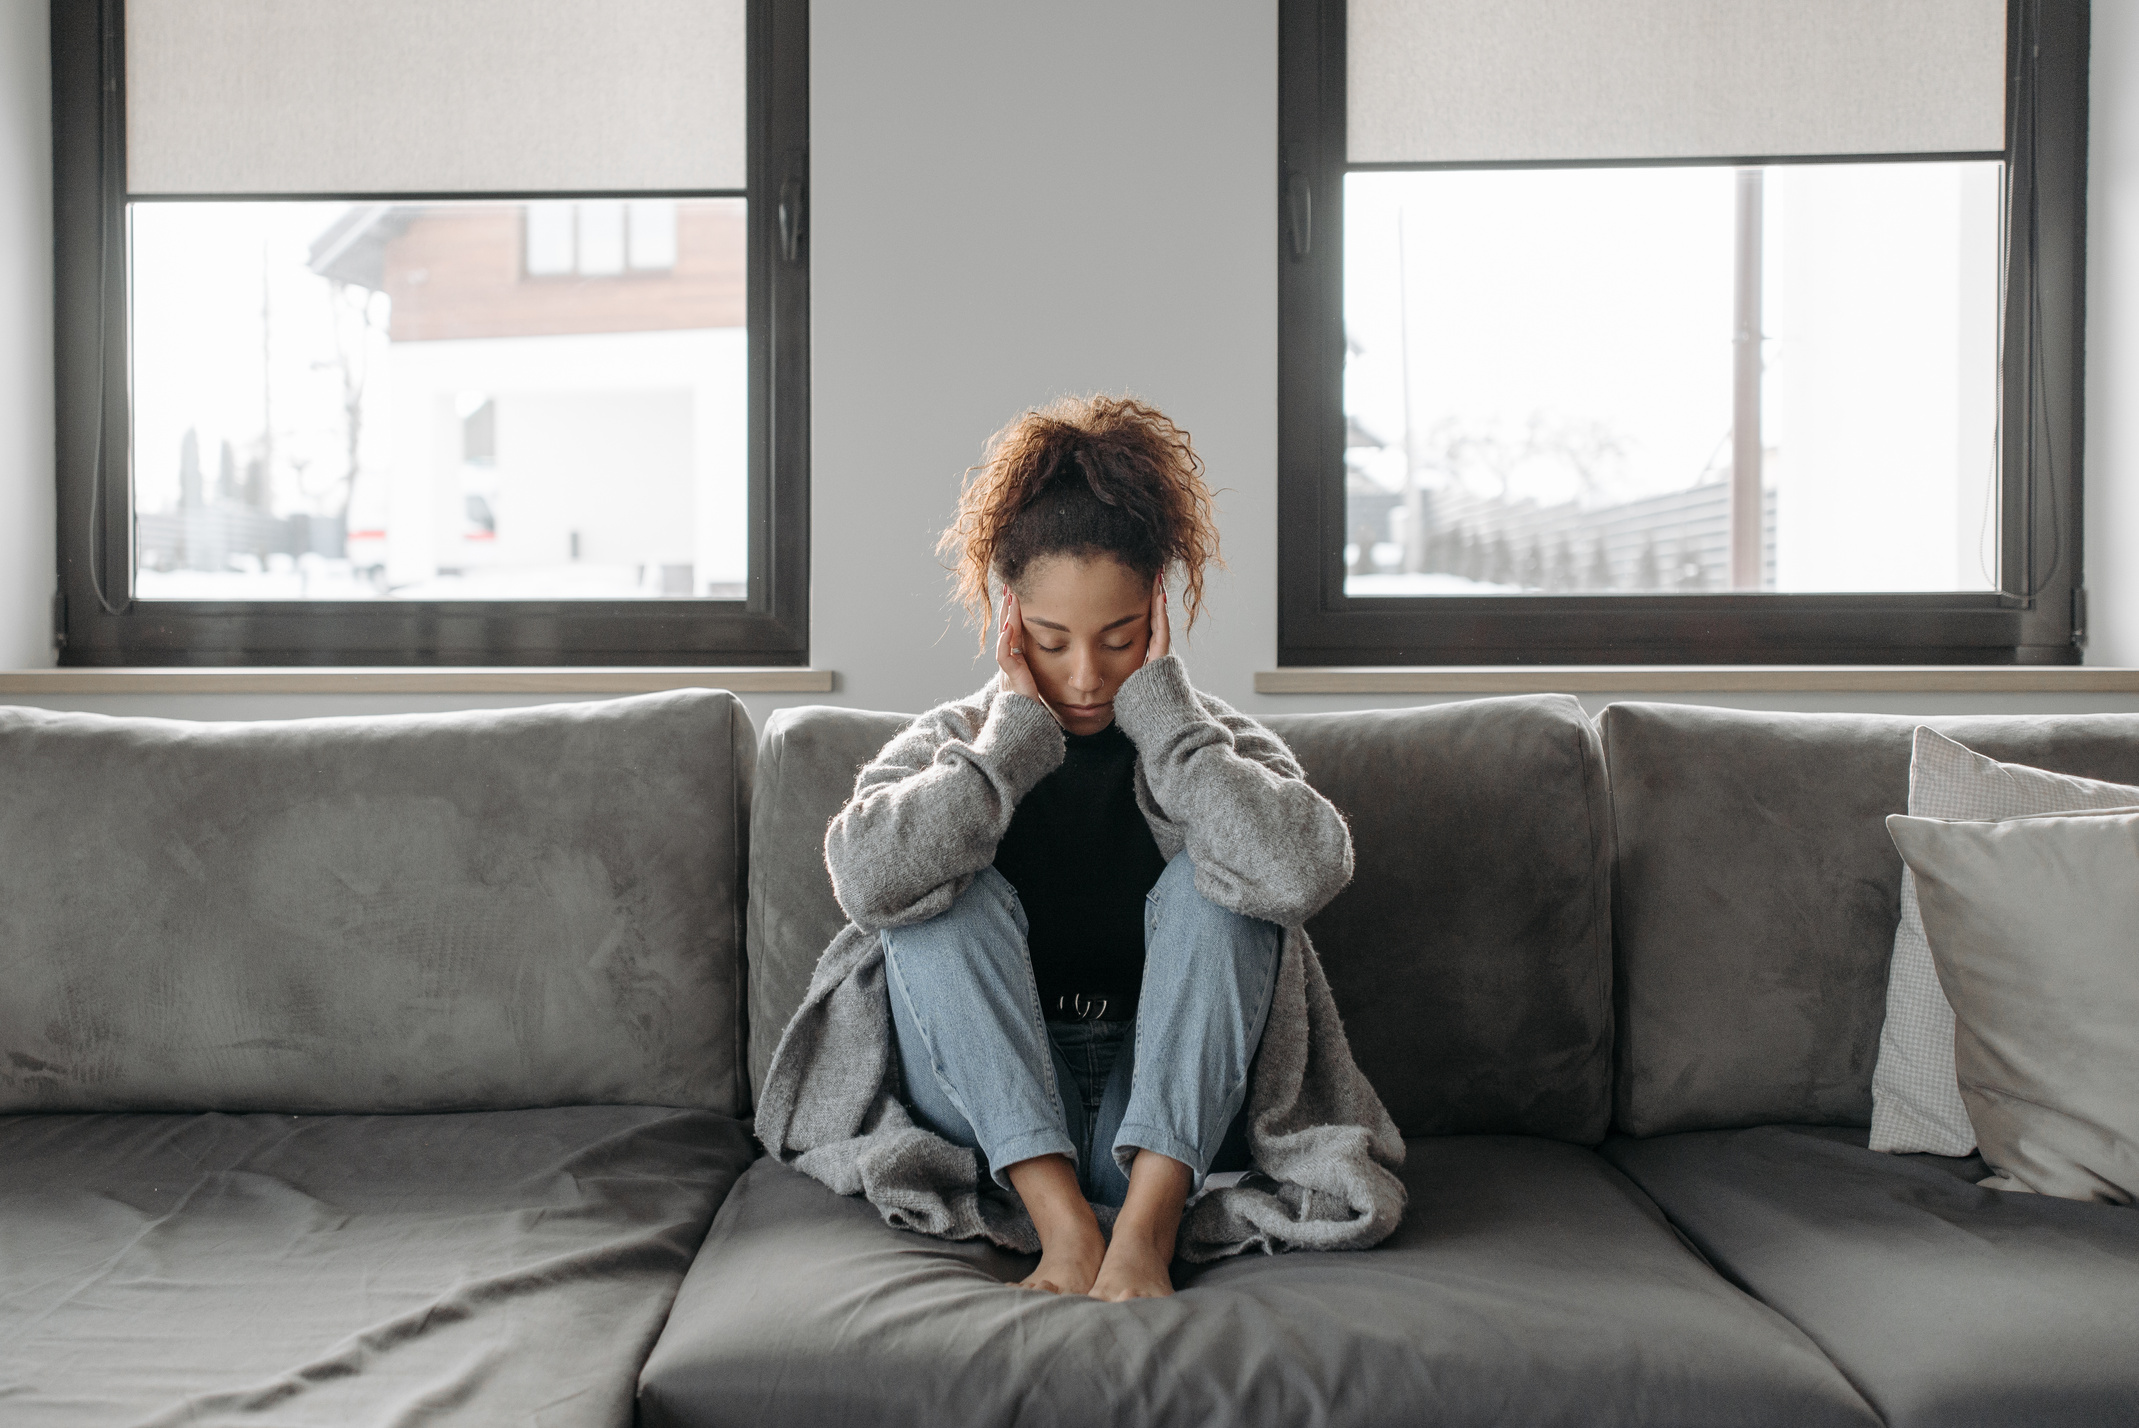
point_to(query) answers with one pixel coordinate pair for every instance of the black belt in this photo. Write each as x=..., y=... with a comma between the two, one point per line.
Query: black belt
x=1088, y=1006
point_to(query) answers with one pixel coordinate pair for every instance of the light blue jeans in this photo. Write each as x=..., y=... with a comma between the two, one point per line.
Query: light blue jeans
x=984, y=1068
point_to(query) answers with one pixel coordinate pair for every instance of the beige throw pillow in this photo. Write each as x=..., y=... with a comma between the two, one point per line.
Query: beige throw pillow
x=2034, y=930
x=1916, y=1105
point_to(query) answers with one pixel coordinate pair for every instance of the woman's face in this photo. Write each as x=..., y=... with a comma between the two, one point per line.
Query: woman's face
x=1087, y=623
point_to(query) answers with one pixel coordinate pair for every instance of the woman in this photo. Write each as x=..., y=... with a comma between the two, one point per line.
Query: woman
x=1075, y=985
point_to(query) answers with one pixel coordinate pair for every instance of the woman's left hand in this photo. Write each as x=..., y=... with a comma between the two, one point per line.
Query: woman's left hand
x=1161, y=641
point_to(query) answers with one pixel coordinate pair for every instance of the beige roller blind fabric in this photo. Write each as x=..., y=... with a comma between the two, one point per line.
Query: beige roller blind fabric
x=433, y=96
x=1481, y=81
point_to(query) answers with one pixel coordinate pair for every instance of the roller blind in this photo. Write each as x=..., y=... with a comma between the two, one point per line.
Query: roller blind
x=433, y=96
x=1480, y=81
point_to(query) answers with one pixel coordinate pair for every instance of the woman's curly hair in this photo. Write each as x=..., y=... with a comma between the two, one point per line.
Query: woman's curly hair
x=1083, y=476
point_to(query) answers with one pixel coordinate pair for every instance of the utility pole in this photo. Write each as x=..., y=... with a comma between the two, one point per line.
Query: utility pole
x=1745, y=387
x=1414, y=498
x=267, y=403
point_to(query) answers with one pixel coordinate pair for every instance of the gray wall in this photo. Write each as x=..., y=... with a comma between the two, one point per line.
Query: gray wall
x=2113, y=335
x=1016, y=201
x=1013, y=202
x=26, y=490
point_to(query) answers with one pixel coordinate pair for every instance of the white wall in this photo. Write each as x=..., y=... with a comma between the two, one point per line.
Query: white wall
x=26, y=483
x=1013, y=201
x=2112, y=494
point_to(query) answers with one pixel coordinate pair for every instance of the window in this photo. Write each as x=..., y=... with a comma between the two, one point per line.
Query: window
x=388, y=362
x=594, y=237
x=1647, y=332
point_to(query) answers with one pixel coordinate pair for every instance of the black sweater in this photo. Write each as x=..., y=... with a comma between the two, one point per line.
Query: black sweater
x=1081, y=857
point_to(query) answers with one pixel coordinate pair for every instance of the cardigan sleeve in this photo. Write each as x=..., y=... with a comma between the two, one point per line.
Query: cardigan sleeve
x=1264, y=842
x=930, y=808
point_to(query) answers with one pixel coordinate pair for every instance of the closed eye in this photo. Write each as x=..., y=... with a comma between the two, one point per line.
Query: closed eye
x=1115, y=647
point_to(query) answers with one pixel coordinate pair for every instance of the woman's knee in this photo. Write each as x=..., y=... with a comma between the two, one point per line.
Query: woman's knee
x=1180, y=873
x=988, y=897
x=986, y=910
x=972, y=954
x=1176, y=888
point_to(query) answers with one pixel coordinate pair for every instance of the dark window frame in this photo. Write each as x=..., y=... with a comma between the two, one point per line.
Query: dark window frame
x=108, y=627
x=2035, y=617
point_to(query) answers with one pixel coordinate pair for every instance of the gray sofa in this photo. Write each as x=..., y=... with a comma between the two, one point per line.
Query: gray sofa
x=363, y=1071
x=1619, y=982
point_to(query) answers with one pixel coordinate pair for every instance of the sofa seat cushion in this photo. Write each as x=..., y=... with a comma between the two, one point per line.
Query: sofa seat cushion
x=1530, y=1283
x=1945, y=1303
x=475, y=1268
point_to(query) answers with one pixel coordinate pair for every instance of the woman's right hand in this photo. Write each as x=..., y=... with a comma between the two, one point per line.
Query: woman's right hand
x=1010, y=650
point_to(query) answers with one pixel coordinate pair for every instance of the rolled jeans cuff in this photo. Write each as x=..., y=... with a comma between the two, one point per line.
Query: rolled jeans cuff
x=1050, y=1141
x=1135, y=1135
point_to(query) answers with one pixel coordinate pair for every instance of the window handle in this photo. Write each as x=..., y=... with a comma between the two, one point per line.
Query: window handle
x=790, y=210
x=1299, y=212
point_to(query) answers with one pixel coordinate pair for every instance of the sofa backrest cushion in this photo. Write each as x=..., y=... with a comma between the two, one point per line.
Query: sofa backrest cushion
x=1469, y=957
x=1756, y=895
x=1471, y=954
x=808, y=759
x=432, y=912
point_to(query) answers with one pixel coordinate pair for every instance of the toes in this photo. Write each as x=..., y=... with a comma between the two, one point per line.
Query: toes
x=1134, y=1289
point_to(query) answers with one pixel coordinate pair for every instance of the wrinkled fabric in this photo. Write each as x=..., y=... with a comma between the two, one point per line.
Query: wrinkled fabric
x=1530, y=1285
x=1470, y=954
x=982, y=1068
x=1472, y=951
x=2034, y=926
x=1756, y=895
x=1916, y=1099
x=1948, y=1305
x=463, y=1269
x=485, y=910
x=925, y=819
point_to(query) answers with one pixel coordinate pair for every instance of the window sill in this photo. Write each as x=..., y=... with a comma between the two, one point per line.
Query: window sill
x=1699, y=679
x=558, y=679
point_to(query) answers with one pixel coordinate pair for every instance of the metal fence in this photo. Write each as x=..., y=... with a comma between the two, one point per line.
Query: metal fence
x=1676, y=541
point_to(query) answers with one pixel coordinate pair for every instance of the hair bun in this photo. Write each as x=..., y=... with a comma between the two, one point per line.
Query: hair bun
x=1142, y=499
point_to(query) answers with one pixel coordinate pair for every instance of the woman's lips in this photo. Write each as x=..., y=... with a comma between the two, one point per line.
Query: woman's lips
x=1083, y=708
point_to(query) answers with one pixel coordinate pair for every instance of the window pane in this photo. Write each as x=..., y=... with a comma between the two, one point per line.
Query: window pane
x=354, y=401
x=1539, y=387
x=601, y=237
x=653, y=233
x=549, y=237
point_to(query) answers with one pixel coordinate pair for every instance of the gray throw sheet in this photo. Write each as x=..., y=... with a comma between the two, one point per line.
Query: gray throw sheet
x=482, y=1268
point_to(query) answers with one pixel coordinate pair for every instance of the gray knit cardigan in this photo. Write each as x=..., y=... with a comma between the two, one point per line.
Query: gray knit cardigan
x=926, y=816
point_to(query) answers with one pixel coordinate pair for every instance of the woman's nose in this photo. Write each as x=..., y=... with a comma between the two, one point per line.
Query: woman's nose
x=1084, y=672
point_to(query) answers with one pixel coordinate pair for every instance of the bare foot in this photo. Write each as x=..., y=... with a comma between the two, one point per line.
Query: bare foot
x=1139, y=1261
x=1068, y=1263
x=1071, y=1246
x=1135, y=1268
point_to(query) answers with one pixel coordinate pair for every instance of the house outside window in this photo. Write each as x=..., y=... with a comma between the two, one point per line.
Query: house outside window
x=599, y=237
x=465, y=420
